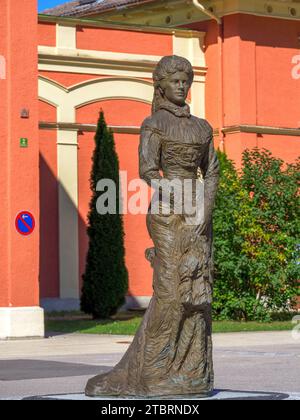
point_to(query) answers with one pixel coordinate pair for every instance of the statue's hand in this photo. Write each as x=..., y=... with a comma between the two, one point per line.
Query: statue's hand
x=201, y=229
x=150, y=255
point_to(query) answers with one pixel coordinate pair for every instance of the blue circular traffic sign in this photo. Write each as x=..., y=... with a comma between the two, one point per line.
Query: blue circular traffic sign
x=25, y=223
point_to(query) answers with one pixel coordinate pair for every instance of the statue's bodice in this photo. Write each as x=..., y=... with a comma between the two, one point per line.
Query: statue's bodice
x=180, y=160
x=183, y=143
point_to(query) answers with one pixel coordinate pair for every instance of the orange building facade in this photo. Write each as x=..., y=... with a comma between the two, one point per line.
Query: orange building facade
x=84, y=68
x=63, y=70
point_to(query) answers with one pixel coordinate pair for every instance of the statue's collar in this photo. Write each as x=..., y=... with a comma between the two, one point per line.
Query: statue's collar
x=179, y=111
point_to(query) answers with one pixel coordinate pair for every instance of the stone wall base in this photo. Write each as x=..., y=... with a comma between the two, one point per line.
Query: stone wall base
x=22, y=322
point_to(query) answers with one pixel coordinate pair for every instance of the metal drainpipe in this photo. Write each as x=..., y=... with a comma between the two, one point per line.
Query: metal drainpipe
x=203, y=9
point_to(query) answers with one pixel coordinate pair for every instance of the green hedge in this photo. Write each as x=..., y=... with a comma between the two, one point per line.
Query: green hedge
x=256, y=237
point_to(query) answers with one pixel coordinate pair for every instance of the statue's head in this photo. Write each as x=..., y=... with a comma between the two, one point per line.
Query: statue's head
x=173, y=77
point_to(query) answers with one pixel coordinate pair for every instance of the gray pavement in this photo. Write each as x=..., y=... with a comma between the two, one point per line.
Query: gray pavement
x=62, y=364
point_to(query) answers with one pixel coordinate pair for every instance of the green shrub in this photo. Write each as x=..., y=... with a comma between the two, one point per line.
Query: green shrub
x=105, y=281
x=256, y=237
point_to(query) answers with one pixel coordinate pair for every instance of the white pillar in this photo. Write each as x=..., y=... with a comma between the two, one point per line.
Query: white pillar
x=65, y=36
x=67, y=161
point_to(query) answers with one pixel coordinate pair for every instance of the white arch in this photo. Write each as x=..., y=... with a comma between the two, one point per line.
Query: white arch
x=51, y=92
x=54, y=94
x=47, y=102
x=110, y=99
x=67, y=100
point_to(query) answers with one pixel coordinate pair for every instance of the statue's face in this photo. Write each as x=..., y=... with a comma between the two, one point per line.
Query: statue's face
x=176, y=87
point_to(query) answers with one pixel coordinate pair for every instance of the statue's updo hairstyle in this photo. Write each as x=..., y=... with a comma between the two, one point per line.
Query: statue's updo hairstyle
x=167, y=66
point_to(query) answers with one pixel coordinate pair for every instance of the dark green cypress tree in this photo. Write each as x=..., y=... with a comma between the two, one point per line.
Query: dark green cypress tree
x=105, y=281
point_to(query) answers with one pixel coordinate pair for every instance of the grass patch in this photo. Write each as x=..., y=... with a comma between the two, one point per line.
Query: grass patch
x=231, y=326
x=128, y=324
x=95, y=327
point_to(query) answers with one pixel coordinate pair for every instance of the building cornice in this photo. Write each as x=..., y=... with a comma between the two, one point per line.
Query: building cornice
x=97, y=23
x=87, y=127
x=259, y=129
x=171, y=13
x=254, y=129
x=102, y=62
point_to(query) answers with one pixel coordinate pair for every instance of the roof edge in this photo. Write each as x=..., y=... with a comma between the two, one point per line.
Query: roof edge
x=189, y=33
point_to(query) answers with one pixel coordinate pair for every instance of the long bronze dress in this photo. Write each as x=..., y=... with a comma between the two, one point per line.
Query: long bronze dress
x=171, y=354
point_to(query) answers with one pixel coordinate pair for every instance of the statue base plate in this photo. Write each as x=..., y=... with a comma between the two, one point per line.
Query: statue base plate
x=220, y=395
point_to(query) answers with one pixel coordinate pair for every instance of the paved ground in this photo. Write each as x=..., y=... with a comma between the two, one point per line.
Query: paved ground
x=62, y=364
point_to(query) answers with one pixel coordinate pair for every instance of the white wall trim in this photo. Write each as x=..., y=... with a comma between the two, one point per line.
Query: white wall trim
x=108, y=56
x=117, y=64
x=21, y=322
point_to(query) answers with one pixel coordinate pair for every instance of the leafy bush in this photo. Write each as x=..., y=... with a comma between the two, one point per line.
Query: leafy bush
x=105, y=281
x=256, y=242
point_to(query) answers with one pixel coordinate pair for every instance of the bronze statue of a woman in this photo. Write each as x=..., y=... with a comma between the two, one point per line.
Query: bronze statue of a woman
x=171, y=353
